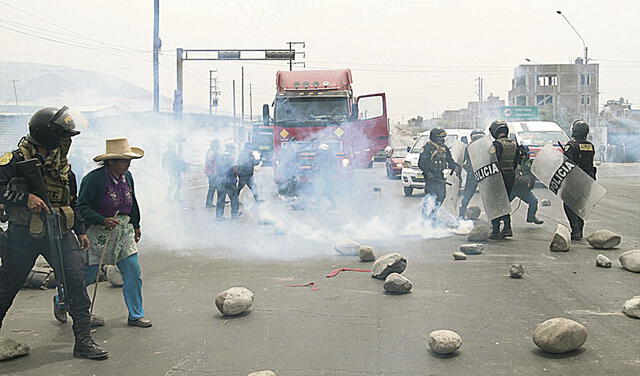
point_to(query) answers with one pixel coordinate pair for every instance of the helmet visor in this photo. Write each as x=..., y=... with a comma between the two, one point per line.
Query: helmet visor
x=70, y=121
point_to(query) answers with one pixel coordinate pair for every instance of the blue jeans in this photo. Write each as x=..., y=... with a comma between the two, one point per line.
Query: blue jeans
x=132, y=283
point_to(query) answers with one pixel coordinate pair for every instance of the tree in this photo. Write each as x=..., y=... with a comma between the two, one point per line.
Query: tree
x=416, y=122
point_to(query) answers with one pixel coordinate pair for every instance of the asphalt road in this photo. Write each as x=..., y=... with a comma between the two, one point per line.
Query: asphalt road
x=349, y=326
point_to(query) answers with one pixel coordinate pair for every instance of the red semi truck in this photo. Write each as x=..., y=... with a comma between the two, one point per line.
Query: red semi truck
x=318, y=107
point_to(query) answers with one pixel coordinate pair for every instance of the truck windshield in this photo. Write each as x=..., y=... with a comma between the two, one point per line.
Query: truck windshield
x=542, y=138
x=311, y=111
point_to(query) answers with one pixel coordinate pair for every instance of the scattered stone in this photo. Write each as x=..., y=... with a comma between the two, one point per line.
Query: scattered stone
x=473, y=212
x=516, y=271
x=262, y=373
x=347, y=247
x=397, y=284
x=472, y=248
x=234, y=301
x=366, y=254
x=603, y=261
x=479, y=233
x=630, y=260
x=11, y=349
x=459, y=256
x=444, y=342
x=114, y=276
x=559, y=335
x=632, y=307
x=603, y=239
x=561, y=241
x=545, y=202
x=387, y=264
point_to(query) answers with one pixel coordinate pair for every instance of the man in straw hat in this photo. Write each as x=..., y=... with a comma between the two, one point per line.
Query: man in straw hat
x=48, y=143
x=107, y=202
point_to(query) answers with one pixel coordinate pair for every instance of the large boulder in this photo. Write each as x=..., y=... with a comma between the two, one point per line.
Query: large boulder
x=347, y=247
x=561, y=241
x=630, y=260
x=397, y=284
x=559, y=335
x=444, y=342
x=632, y=307
x=516, y=271
x=114, y=276
x=603, y=261
x=262, y=373
x=472, y=248
x=473, y=212
x=387, y=264
x=234, y=301
x=366, y=254
x=480, y=232
x=603, y=239
x=10, y=348
x=459, y=256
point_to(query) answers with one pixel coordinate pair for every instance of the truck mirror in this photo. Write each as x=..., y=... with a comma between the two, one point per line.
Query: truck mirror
x=265, y=115
x=354, y=111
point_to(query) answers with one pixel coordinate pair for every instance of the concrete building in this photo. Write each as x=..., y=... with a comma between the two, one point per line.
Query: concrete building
x=563, y=92
x=476, y=115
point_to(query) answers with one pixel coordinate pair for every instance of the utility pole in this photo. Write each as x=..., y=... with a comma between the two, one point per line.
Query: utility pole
x=15, y=93
x=242, y=95
x=250, y=103
x=156, y=50
x=234, y=110
x=291, y=45
x=480, y=97
x=214, y=93
x=177, y=94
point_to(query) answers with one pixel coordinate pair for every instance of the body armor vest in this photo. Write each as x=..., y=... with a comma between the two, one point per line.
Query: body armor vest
x=584, y=153
x=506, y=162
x=437, y=157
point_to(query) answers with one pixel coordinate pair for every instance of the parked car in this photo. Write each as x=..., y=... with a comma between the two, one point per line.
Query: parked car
x=394, y=162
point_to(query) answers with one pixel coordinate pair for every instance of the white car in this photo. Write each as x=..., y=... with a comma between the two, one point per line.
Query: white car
x=411, y=175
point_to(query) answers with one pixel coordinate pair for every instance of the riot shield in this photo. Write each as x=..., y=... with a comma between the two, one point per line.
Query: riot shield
x=576, y=189
x=484, y=161
x=454, y=182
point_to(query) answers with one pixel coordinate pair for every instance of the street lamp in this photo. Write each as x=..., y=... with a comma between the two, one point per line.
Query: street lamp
x=586, y=59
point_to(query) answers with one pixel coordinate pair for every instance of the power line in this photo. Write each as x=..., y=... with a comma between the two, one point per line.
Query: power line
x=255, y=24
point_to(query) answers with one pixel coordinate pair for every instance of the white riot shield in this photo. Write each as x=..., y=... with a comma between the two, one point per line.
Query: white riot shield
x=576, y=188
x=454, y=182
x=484, y=161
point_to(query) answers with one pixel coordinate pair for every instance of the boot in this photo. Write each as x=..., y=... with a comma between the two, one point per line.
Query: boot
x=576, y=235
x=58, y=312
x=506, y=231
x=463, y=212
x=86, y=347
x=535, y=220
x=495, y=232
x=96, y=321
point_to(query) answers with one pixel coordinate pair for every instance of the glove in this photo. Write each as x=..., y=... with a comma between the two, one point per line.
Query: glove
x=17, y=189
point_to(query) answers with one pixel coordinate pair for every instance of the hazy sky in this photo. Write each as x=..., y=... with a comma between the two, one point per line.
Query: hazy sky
x=424, y=54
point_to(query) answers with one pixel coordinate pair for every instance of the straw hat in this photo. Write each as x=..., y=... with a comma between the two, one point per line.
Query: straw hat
x=118, y=148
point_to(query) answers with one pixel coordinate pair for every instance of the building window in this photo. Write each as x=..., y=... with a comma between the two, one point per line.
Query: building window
x=585, y=99
x=585, y=79
x=521, y=81
x=548, y=80
x=521, y=100
x=543, y=100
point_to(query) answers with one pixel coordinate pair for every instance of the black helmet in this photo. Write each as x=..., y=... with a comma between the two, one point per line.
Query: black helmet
x=438, y=135
x=580, y=129
x=498, y=127
x=49, y=124
x=476, y=134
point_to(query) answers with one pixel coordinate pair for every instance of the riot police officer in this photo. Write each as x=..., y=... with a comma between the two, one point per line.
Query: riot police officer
x=509, y=156
x=434, y=159
x=581, y=152
x=470, y=184
x=523, y=186
x=49, y=139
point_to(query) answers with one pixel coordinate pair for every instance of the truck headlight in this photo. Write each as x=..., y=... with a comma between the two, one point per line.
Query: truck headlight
x=407, y=164
x=345, y=162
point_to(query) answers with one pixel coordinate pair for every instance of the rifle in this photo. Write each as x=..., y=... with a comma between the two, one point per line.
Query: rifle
x=30, y=169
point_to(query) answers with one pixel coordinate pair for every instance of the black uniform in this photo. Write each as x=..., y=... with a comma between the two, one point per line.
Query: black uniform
x=509, y=156
x=227, y=178
x=470, y=185
x=23, y=249
x=581, y=152
x=246, y=166
x=523, y=187
x=433, y=160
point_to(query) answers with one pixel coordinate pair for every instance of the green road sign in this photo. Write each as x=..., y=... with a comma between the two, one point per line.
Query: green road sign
x=519, y=112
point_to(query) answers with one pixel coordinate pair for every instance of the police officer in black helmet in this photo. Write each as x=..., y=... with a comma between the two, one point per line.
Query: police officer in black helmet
x=581, y=152
x=436, y=157
x=509, y=156
x=49, y=139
